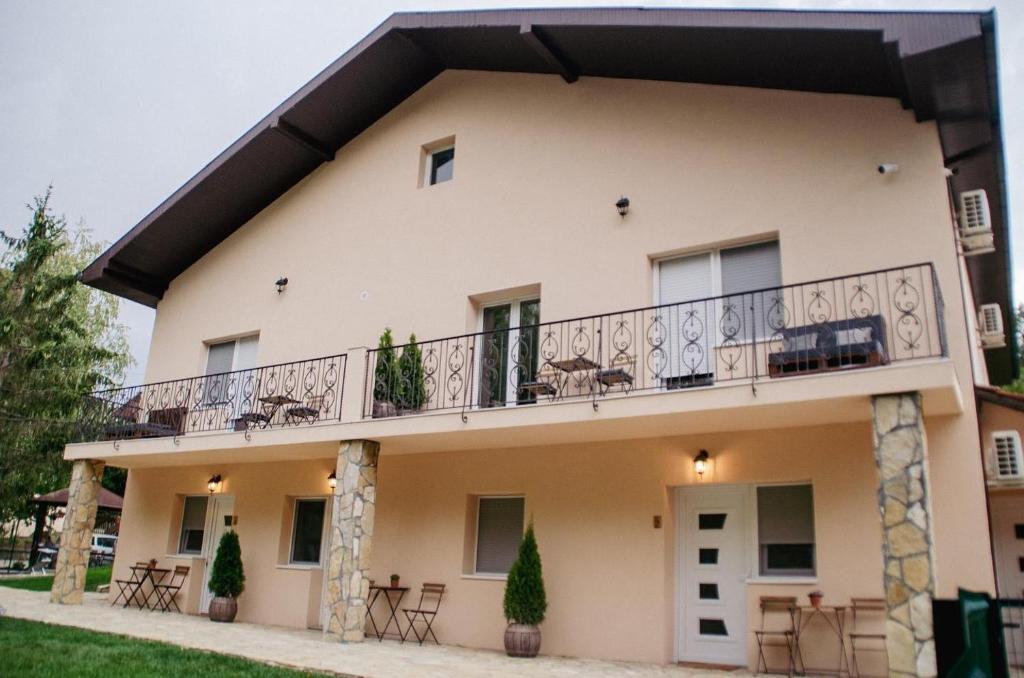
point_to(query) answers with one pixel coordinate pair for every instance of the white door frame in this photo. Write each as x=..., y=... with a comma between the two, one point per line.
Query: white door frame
x=210, y=543
x=680, y=556
x=514, y=319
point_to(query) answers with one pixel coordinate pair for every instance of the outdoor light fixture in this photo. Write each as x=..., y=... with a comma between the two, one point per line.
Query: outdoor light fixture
x=623, y=206
x=213, y=483
x=700, y=463
x=332, y=480
x=281, y=283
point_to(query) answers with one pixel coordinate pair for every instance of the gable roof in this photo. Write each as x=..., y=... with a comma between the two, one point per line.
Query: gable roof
x=940, y=64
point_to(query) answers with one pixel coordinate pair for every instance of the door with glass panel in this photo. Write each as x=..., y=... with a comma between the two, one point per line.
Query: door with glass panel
x=713, y=573
x=232, y=382
x=219, y=519
x=508, y=346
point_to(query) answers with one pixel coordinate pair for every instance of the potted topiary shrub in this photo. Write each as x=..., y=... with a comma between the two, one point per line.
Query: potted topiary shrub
x=412, y=388
x=525, y=600
x=385, y=378
x=227, y=579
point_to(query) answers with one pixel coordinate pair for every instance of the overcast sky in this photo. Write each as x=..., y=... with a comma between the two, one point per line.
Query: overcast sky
x=119, y=103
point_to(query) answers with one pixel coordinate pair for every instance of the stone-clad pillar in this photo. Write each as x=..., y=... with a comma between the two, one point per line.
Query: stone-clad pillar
x=76, y=539
x=348, y=564
x=907, y=551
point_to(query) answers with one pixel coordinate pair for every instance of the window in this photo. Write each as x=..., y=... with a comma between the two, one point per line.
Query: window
x=499, y=529
x=509, y=355
x=225, y=357
x=1009, y=463
x=442, y=165
x=785, y=530
x=744, y=277
x=193, y=524
x=308, y=531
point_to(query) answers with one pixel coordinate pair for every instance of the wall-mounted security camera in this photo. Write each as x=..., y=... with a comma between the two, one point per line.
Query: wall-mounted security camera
x=888, y=168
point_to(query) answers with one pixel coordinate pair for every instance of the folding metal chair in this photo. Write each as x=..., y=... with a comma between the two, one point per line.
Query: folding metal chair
x=874, y=608
x=778, y=623
x=425, y=612
x=132, y=584
x=165, y=593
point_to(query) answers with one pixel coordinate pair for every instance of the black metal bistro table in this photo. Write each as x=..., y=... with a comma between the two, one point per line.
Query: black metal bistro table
x=393, y=603
x=141, y=574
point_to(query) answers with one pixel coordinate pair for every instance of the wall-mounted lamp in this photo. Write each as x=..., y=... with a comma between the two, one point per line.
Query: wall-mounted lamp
x=888, y=168
x=281, y=283
x=623, y=206
x=213, y=484
x=332, y=480
x=700, y=463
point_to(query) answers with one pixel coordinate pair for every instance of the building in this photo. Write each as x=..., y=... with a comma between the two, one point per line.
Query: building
x=689, y=293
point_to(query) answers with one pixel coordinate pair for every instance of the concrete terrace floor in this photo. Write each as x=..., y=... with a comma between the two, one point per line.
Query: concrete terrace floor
x=307, y=649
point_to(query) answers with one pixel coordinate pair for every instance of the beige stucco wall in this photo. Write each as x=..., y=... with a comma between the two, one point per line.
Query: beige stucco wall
x=610, y=575
x=539, y=165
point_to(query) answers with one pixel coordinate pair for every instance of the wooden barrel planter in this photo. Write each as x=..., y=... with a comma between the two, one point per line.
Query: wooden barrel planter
x=522, y=640
x=223, y=609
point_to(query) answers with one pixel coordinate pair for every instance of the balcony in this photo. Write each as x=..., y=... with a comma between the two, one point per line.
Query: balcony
x=831, y=325
x=772, y=336
x=299, y=393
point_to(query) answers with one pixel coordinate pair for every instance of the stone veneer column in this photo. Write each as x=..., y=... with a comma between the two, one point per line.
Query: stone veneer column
x=907, y=552
x=76, y=539
x=348, y=563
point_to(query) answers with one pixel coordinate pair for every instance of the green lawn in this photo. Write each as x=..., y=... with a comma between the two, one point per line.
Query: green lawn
x=94, y=576
x=35, y=649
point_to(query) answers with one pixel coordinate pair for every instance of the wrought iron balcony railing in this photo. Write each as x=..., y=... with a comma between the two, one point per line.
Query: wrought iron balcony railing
x=863, y=320
x=289, y=394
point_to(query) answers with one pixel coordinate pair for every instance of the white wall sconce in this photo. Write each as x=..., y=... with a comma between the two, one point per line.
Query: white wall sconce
x=700, y=463
x=213, y=484
x=332, y=480
x=888, y=168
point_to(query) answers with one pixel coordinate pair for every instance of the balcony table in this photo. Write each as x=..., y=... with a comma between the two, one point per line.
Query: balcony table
x=834, y=618
x=571, y=366
x=393, y=603
x=270, y=405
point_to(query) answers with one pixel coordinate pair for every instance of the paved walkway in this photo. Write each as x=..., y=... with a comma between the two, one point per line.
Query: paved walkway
x=307, y=649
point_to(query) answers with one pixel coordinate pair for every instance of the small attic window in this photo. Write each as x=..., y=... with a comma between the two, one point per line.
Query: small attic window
x=442, y=165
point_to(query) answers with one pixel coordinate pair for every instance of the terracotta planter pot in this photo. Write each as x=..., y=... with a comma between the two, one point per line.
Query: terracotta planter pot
x=816, y=601
x=383, y=409
x=223, y=609
x=395, y=581
x=522, y=640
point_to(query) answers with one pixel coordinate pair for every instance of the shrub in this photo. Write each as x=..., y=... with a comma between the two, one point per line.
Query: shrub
x=385, y=375
x=525, y=600
x=227, y=578
x=413, y=390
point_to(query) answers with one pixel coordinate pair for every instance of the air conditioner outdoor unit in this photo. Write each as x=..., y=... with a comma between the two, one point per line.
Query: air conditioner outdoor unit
x=990, y=323
x=975, y=223
x=1009, y=459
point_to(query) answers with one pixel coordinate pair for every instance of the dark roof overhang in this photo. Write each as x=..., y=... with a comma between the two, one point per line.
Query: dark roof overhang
x=940, y=64
x=997, y=396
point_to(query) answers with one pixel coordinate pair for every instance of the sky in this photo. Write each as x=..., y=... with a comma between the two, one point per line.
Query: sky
x=119, y=103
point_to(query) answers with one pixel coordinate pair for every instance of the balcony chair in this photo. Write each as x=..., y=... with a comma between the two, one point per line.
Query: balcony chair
x=131, y=584
x=867, y=611
x=778, y=629
x=425, y=612
x=545, y=383
x=165, y=593
x=618, y=373
x=305, y=414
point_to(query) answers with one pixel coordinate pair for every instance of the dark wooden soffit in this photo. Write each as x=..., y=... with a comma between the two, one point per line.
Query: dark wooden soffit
x=997, y=396
x=942, y=65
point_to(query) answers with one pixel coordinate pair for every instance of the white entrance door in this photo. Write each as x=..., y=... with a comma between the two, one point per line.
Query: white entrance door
x=1008, y=543
x=218, y=518
x=712, y=574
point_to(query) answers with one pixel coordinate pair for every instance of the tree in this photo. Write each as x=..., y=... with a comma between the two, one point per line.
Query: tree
x=227, y=578
x=412, y=386
x=525, y=600
x=1017, y=386
x=385, y=375
x=59, y=340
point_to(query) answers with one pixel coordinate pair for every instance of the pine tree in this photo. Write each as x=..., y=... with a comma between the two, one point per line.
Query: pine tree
x=227, y=578
x=413, y=387
x=385, y=375
x=525, y=600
